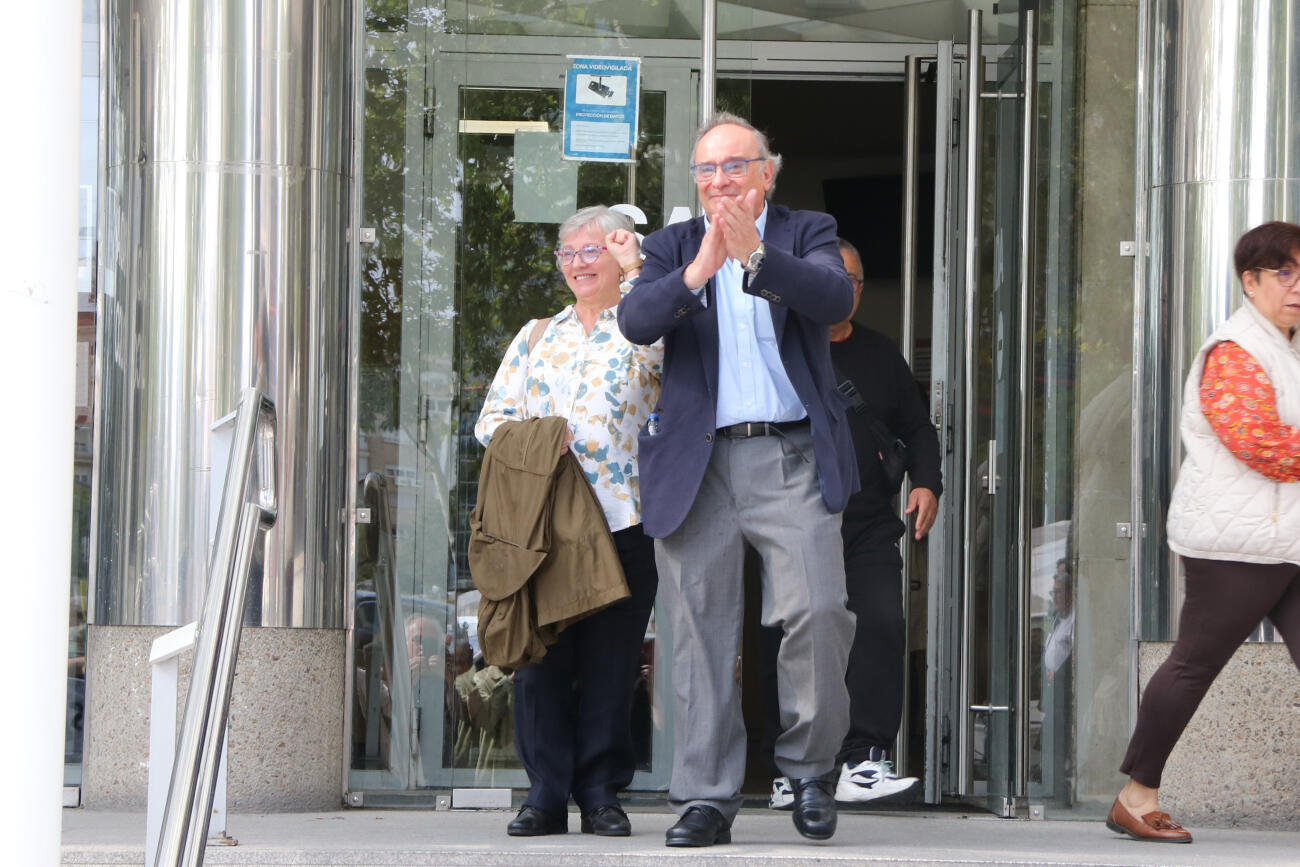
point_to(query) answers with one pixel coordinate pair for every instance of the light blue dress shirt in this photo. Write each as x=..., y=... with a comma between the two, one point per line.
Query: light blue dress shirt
x=752, y=382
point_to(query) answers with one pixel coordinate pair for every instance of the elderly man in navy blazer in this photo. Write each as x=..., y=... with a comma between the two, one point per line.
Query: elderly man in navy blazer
x=749, y=447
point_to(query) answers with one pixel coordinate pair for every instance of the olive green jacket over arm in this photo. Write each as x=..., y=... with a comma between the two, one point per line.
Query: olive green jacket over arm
x=540, y=550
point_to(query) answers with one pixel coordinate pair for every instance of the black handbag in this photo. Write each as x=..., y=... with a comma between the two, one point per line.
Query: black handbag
x=891, y=450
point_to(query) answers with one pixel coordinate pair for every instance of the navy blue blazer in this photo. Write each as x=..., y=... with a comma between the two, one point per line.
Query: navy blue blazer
x=803, y=277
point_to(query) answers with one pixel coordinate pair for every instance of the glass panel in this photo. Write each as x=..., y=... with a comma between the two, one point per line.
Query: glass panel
x=1054, y=551
x=456, y=150
x=88, y=172
x=754, y=20
x=994, y=599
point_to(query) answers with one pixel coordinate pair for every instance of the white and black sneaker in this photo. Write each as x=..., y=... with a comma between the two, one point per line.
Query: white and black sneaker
x=869, y=780
x=782, y=795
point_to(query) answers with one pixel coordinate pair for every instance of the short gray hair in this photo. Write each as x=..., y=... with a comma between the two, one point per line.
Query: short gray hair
x=726, y=118
x=599, y=217
x=845, y=245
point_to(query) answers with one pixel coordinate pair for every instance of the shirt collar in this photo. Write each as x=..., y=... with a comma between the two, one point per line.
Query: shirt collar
x=569, y=313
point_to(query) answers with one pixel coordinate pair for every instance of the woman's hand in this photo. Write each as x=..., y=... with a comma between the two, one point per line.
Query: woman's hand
x=626, y=250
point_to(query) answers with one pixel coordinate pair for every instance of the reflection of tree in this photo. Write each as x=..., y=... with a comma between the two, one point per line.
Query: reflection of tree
x=383, y=207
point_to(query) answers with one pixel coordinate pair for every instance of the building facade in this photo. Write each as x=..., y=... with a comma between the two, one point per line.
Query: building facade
x=353, y=207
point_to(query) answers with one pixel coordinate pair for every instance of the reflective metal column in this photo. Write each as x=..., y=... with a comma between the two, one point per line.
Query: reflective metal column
x=224, y=265
x=1220, y=103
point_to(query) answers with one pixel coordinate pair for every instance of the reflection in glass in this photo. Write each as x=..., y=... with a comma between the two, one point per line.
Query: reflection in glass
x=437, y=309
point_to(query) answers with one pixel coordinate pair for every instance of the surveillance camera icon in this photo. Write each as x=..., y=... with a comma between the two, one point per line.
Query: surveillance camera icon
x=600, y=88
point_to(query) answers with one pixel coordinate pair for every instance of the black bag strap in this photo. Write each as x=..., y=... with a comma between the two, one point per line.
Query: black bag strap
x=859, y=405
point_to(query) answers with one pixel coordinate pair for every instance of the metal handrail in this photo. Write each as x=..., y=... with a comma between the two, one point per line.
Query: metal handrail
x=248, y=508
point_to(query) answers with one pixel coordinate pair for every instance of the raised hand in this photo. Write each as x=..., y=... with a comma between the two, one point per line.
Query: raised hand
x=737, y=218
x=712, y=255
x=625, y=249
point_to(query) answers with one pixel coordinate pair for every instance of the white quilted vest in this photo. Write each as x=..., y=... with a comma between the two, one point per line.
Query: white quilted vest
x=1221, y=509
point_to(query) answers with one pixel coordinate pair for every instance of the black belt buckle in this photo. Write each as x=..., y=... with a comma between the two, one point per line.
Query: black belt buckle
x=743, y=430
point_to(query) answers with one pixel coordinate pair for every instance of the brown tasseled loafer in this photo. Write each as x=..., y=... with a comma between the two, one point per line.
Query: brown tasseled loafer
x=1154, y=827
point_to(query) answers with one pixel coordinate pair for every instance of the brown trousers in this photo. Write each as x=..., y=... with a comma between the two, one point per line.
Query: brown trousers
x=1225, y=601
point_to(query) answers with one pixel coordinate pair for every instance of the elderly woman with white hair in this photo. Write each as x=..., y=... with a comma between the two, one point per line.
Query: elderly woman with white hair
x=572, y=709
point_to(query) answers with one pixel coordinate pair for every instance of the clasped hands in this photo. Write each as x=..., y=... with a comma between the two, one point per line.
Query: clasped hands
x=732, y=234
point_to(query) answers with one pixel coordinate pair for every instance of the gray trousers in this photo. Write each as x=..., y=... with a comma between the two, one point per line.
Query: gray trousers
x=762, y=491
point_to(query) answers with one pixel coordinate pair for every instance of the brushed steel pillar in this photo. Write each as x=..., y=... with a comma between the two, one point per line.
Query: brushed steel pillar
x=1219, y=154
x=224, y=265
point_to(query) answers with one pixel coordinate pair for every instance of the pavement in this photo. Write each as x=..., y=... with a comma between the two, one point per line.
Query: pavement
x=477, y=838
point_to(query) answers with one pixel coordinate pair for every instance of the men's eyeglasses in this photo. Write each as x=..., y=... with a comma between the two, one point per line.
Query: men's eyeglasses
x=856, y=280
x=1286, y=277
x=703, y=172
x=588, y=253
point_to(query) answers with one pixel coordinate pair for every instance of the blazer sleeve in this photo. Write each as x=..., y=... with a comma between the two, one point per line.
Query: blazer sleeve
x=659, y=300
x=809, y=278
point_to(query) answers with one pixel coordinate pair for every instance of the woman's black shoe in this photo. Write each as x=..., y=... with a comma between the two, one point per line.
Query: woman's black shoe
x=607, y=821
x=532, y=822
x=699, y=826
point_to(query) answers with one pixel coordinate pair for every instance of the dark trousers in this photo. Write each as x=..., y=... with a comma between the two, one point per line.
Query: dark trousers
x=873, y=574
x=1225, y=601
x=572, y=709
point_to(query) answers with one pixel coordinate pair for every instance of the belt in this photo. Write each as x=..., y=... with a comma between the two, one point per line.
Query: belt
x=746, y=429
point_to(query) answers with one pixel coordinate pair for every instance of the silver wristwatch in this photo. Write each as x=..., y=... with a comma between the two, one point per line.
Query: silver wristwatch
x=755, y=260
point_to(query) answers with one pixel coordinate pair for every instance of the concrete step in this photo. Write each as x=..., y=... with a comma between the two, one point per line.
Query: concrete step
x=391, y=838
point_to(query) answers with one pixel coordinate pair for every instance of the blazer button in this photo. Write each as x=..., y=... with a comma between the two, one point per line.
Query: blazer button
x=708, y=437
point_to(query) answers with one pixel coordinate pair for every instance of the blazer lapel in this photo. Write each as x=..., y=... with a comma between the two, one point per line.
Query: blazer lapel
x=706, y=322
x=778, y=235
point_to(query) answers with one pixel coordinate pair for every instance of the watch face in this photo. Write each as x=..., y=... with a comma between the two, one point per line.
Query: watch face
x=755, y=259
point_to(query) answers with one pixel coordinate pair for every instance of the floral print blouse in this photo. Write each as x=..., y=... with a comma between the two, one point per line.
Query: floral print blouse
x=605, y=387
x=1238, y=400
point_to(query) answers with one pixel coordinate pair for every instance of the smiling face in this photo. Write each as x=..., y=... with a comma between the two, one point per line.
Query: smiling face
x=590, y=282
x=1279, y=304
x=731, y=142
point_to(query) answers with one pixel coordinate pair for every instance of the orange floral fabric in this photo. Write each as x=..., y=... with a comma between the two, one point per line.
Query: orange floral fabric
x=1238, y=400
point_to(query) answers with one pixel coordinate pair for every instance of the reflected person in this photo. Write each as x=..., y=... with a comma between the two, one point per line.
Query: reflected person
x=572, y=709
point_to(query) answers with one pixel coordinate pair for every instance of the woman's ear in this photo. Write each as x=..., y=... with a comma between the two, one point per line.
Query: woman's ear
x=1250, y=282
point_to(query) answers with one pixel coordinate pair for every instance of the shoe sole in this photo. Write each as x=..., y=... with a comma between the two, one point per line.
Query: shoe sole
x=812, y=836
x=721, y=839
x=1120, y=829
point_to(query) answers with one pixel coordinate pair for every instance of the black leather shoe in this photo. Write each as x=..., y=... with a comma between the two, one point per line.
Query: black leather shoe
x=607, y=821
x=699, y=826
x=532, y=822
x=814, y=807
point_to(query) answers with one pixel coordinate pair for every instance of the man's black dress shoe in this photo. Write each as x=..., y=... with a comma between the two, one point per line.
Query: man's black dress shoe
x=699, y=826
x=532, y=822
x=814, y=807
x=607, y=821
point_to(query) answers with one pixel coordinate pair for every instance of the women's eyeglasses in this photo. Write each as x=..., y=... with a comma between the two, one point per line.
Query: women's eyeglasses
x=1286, y=277
x=588, y=253
x=703, y=172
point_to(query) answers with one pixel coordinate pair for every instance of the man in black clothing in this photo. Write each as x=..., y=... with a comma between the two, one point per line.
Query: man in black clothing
x=872, y=564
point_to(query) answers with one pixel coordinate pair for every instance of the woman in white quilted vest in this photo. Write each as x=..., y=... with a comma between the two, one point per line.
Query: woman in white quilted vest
x=1235, y=513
